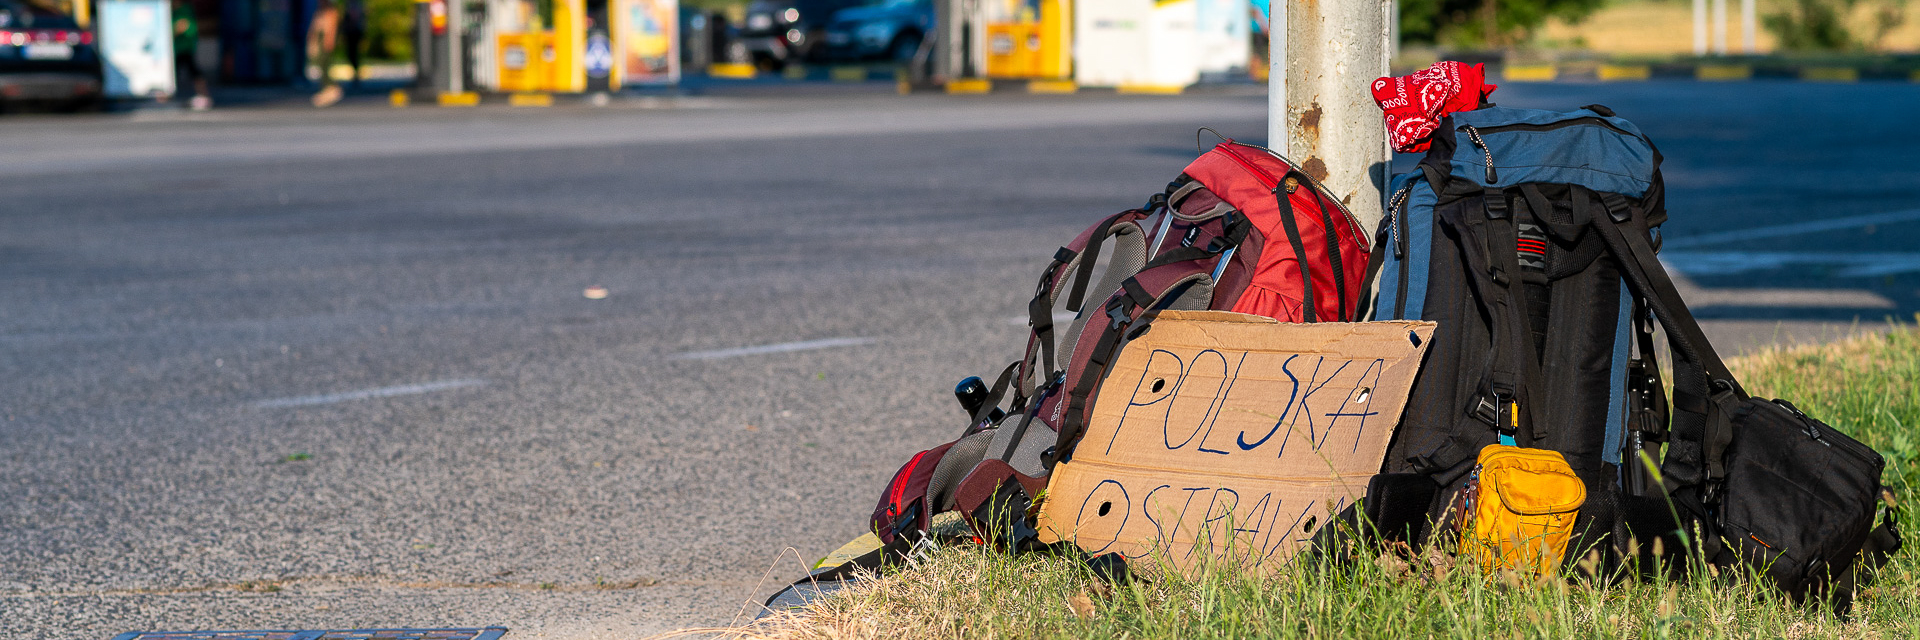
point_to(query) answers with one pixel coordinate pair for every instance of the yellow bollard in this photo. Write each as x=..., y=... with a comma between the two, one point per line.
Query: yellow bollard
x=530, y=100
x=734, y=70
x=969, y=86
x=1621, y=72
x=1723, y=72
x=1052, y=86
x=1530, y=73
x=462, y=99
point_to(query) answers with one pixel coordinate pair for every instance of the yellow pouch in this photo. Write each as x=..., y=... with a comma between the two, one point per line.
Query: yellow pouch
x=1522, y=507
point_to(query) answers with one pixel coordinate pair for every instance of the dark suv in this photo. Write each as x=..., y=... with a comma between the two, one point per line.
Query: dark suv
x=888, y=29
x=778, y=32
x=46, y=57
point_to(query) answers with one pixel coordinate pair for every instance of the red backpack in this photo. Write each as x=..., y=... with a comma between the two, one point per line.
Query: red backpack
x=1242, y=229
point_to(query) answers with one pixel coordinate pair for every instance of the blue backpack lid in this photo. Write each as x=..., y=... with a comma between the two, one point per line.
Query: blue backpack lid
x=1602, y=153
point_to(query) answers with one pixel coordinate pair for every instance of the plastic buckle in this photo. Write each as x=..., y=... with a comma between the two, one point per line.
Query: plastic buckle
x=1117, y=315
x=1620, y=215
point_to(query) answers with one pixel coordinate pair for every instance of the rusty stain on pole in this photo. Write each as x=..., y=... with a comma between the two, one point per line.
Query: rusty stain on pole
x=1334, y=51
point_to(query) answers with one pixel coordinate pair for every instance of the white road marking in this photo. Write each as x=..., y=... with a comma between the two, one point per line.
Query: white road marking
x=1060, y=319
x=784, y=347
x=1851, y=265
x=1700, y=297
x=1794, y=229
x=382, y=392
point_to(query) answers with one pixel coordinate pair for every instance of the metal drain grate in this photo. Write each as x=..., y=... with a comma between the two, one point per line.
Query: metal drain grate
x=487, y=633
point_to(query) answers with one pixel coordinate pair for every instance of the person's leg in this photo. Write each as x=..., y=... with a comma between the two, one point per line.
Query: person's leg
x=183, y=71
x=190, y=65
x=321, y=40
x=352, y=37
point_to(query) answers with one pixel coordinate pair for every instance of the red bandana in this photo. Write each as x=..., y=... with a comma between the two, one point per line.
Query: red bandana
x=1415, y=103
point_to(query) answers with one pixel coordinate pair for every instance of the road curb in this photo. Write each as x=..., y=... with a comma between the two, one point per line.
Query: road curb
x=1706, y=71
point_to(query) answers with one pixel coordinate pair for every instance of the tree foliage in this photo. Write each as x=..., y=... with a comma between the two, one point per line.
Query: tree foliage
x=390, y=29
x=1484, y=24
x=1822, y=25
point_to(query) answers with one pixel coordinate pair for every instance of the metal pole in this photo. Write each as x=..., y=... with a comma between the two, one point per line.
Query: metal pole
x=1277, y=76
x=1720, y=27
x=1749, y=26
x=1334, y=51
x=1699, y=27
x=456, y=45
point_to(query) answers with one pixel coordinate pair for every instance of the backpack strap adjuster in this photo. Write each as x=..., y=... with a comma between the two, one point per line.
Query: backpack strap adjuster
x=1496, y=200
x=1485, y=409
x=1498, y=410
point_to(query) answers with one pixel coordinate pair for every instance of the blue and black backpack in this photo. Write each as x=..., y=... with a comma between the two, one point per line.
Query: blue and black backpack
x=1490, y=237
x=1530, y=237
x=1548, y=348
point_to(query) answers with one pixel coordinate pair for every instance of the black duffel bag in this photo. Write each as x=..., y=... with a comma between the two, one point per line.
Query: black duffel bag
x=1766, y=486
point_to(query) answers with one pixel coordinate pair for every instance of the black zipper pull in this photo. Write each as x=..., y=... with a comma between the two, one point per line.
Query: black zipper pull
x=1397, y=214
x=1474, y=134
x=1810, y=426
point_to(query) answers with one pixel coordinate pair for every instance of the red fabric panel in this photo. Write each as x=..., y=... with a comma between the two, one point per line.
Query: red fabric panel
x=1245, y=176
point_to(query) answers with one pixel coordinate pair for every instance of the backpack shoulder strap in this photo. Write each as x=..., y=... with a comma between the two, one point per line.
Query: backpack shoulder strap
x=1074, y=262
x=1126, y=312
x=1704, y=390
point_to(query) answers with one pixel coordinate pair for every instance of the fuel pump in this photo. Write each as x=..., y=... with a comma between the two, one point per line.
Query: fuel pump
x=597, y=50
x=1030, y=39
x=568, y=74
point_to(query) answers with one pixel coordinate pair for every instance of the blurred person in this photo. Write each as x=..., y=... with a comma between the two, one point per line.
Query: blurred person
x=353, y=29
x=186, y=41
x=322, y=35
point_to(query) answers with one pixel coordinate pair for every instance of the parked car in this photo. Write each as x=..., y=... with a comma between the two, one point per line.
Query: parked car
x=45, y=57
x=778, y=32
x=887, y=30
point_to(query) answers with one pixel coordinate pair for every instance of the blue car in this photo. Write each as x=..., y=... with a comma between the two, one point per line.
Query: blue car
x=886, y=30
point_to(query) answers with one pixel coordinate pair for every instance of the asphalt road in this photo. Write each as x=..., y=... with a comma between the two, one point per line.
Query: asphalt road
x=295, y=369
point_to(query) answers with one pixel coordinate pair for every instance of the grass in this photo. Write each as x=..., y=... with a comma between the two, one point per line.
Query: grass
x=1866, y=386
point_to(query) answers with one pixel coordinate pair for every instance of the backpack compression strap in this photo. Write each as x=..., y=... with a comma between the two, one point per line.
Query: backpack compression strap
x=1333, y=257
x=1502, y=400
x=1647, y=415
x=1506, y=401
x=1280, y=193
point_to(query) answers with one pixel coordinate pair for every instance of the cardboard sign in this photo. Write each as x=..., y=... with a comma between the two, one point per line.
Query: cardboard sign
x=1228, y=436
